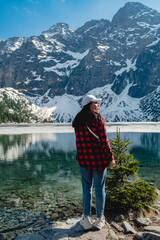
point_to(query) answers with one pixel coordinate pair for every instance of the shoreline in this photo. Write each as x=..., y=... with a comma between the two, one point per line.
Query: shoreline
x=25, y=128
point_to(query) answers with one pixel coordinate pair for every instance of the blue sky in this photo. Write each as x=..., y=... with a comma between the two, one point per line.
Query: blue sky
x=24, y=18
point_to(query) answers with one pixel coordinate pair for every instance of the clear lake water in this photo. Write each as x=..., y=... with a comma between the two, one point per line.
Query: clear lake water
x=39, y=171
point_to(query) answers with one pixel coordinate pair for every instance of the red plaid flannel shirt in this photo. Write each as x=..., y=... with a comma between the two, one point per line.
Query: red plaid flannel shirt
x=91, y=153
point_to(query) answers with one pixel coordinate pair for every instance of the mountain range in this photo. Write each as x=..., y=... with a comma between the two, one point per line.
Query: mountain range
x=117, y=60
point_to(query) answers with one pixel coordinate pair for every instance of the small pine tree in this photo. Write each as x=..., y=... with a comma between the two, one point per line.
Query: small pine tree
x=124, y=190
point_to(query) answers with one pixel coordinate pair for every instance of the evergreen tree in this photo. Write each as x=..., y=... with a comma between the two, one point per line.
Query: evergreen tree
x=124, y=189
x=15, y=111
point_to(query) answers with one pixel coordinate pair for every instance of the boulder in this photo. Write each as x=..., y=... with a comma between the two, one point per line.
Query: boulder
x=128, y=228
x=146, y=236
x=143, y=221
x=30, y=237
x=5, y=236
x=155, y=229
x=117, y=227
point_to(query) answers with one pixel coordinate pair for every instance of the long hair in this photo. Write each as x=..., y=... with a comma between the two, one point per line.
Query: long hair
x=84, y=115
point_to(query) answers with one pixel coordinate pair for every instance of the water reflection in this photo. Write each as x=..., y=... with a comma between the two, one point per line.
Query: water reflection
x=43, y=165
x=145, y=148
x=14, y=146
x=152, y=142
x=36, y=165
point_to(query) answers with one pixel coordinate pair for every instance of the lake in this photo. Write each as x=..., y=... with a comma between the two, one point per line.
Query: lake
x=39, y=176
x=38, y=170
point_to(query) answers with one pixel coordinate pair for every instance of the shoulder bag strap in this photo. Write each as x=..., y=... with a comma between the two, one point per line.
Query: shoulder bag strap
x=95, y=135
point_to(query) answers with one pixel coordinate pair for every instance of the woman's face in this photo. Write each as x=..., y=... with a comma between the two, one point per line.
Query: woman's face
x=94, y=107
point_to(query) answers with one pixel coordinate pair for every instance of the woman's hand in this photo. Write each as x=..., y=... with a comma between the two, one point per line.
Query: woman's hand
x=113, y=164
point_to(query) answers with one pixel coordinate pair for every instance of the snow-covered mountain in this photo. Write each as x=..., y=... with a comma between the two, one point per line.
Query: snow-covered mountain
x=14, y=106
x=118, y=61
x=114, y=108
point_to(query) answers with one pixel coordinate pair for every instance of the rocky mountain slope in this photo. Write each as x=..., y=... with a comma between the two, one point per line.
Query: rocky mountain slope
x=14, y=107
x=117, y=60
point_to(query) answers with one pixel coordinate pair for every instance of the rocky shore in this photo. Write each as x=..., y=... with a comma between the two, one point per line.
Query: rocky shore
x=143, y=225
x=141, y=228
x=15, y=222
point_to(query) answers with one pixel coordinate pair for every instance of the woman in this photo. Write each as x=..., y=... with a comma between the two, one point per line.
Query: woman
x=92, y=148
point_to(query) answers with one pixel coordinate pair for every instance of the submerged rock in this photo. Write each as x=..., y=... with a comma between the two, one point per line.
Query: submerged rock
x=5, y=236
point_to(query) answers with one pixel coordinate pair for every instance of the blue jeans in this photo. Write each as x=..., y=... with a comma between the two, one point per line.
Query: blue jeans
x=99, y=183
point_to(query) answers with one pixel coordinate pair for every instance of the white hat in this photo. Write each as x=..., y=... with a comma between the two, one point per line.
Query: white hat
x=90, y=98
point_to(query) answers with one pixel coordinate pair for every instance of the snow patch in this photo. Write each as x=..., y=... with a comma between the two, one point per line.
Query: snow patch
x=103, y=49
x=48, y=59
x=42, y=46
x=154, y=43
x=77, y=55
x=63, y=69
x=27, y=81
x=13, y=44
x=114, y=63
x=130, y=65
x=38, y=78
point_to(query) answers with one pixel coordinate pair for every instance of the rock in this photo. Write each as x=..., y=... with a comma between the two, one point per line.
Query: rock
x=58, y=210
x=68, y=213
x=54, y=216
x=75, y=226
x=71, y=229
x=117, y=227
x=128, y=228
x=72, y=221
x=157, y=205
x=131, y=216
x=157, y=219
x=59, y=235
x=5, y=236
x=146, y=236
x=158, y=195
x=92, y=235
x=112, y=235
x=154, y=210
x=121, y=237
x=155, y=229
x=119, y=218
x=78, y=228
x=14, y=201
x=30, y=237
x=47, y=232
x=143, y=221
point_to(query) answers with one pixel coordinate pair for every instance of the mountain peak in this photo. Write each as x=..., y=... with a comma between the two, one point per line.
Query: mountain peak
x=135, y=5
x=58, y=29
x=138, y=11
